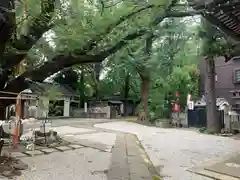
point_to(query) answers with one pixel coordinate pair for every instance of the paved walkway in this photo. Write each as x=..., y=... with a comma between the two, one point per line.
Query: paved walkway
x=174, y=151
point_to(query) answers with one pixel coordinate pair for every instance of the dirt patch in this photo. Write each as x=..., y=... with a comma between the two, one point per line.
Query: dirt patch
x=11, y=167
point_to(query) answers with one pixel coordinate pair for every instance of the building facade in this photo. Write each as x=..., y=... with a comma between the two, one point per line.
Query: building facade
x=227, y=79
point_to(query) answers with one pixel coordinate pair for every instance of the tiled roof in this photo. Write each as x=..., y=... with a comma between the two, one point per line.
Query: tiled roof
x=40, y=88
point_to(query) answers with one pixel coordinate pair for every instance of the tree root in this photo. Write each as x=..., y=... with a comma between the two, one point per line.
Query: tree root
x=142, y=116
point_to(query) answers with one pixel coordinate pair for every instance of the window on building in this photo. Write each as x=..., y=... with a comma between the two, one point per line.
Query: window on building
x=216, y=77
x=237, y=75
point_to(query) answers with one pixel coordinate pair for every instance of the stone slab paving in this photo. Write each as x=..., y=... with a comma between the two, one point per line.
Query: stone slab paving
x=137, y=160
x=174, y=151
x=119, y=165
x=49, y=150
x=43, y=150
x=129, y=161
x=63, y=148
x=34, y=153
x=18, y=154
x=75, y=146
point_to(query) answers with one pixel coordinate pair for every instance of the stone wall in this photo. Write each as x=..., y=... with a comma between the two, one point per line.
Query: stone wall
x=182, y=117
x=98, y=110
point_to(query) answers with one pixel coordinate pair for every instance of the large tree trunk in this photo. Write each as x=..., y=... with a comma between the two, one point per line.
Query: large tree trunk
x=97, y=71
x=145, y=84
x=82, y=89
x=213, y=123
x=145, y=77
x=144, y=96
x=126, y=93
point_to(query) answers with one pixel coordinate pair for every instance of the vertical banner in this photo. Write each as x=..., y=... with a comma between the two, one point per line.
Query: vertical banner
x=190, y=103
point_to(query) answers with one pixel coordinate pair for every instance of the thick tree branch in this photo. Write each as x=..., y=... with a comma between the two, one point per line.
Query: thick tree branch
x=122, y=43
x=61, y=61
x=89, y=46
x=6, y=23
x=16, y=58
x=40, y=25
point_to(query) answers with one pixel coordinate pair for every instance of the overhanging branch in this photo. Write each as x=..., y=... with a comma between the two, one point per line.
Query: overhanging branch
x=40, y=25
x=122, y=43
x=7, y=22
x=61, y=61
x=89, y=46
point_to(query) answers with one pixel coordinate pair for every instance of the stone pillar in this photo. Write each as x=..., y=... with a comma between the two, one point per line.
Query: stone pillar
x=66, y=108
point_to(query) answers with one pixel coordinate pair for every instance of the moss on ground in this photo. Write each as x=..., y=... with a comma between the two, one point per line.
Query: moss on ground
x=156, y=178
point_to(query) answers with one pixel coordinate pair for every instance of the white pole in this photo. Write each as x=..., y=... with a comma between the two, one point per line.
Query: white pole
x=85, y=107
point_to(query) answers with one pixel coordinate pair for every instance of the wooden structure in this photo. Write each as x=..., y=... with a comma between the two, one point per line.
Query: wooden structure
x=15, y=133
x=47, y=93
x=225, y=14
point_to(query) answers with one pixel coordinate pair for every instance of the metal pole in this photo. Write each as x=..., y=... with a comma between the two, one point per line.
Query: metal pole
x=34, y=139
x=44, y=131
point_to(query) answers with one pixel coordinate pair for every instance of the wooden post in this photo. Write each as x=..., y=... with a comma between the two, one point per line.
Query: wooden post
x=16, y=129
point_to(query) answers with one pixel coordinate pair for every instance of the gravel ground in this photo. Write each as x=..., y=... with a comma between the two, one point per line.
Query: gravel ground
x=81, y=164
x=173, y=151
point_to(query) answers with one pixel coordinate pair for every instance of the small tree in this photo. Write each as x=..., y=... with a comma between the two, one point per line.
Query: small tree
x=49, y=95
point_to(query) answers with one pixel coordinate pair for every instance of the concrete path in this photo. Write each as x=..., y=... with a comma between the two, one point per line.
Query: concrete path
x=174, y=151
